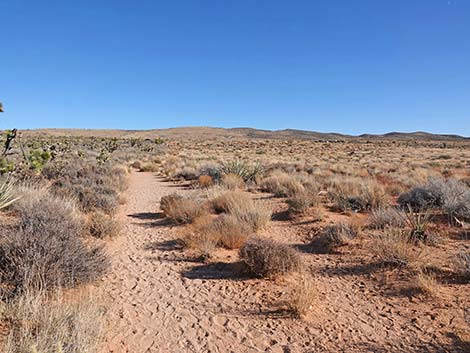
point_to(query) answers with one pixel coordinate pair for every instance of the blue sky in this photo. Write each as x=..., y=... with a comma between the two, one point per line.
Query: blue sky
x=350, y=66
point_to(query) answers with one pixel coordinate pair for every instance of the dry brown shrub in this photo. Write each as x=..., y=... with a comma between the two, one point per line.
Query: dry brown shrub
x=462, y=263
x=102, y=225
x=181, y=209
x=45, y=247
x=268, y=258
x=232, y=232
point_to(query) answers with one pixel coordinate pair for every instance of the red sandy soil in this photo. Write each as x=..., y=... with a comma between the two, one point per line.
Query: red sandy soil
x=162, y=300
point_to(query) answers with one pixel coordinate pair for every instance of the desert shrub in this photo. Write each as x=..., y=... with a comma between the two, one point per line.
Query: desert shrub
x=102, y=225
x=94, y=186
x=231, y=232
x=185, y=173
x=45, y=248
x=212, y=170
x=356, y=194
x=462, y=262
x=45, y=325
x=233, y=182
x=387, y=217
x=181, y=209
x=204, y=181
x=338, y=235
x=248, y=173
x=454, y=197
x=267, y=258
x=420, y=198
x=392, y=247
x=299, y=203
x=281, y=185
x=149, y=167
x=303, y=296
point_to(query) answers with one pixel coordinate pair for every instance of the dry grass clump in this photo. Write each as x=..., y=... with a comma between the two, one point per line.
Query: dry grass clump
x=102, y=225
x=392, y=246
x=254, y=214
x=303, y=296
x=356, y=194
x=45, y=247
x=426, y=283
x=181, y=209
x=266, y=258
x=381, y=218
x=233, y=182
x=281, y=185
x=337, y=235
x=47, y=324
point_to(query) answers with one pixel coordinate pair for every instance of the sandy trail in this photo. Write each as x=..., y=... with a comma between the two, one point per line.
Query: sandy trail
x=157, y=305
x=161, y=301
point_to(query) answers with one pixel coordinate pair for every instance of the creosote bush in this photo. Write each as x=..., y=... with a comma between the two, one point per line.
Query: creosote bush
x=266, y=258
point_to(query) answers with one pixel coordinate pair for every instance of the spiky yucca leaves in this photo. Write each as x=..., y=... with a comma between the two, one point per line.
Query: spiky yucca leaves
x=6, y=194
x=242, y=169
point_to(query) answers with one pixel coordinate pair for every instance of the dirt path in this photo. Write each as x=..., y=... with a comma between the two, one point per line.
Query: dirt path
x=162, y=301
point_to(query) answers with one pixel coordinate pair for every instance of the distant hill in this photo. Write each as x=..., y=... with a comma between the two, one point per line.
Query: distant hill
x=204, y=132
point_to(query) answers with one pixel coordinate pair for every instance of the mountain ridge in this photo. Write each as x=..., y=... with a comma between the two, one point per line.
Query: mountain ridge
x=206, y=132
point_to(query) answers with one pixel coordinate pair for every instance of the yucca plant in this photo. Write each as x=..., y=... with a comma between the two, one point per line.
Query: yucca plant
x=242, y=169
x=6, y=194
x=418, y=223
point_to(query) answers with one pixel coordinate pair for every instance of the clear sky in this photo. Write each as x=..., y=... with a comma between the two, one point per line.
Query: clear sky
x=350, y=66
